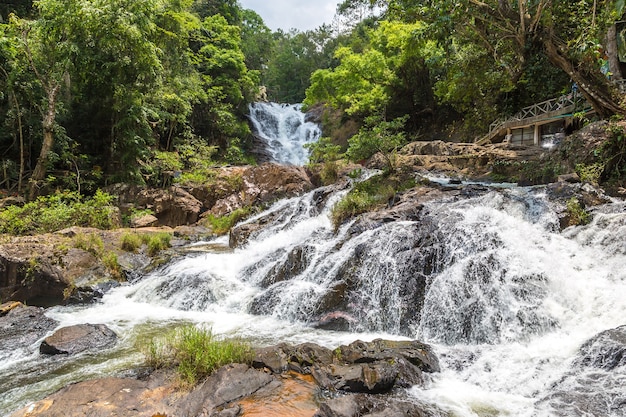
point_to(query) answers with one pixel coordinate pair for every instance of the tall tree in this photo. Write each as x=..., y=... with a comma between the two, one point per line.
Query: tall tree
x=569, y=33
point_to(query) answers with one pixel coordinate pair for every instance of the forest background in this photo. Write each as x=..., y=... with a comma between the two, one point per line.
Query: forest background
x=94, y=92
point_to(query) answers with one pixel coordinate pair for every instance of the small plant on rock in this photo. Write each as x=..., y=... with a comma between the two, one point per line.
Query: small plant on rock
x=196, y=353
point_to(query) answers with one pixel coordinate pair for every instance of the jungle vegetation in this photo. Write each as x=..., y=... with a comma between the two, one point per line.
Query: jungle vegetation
x=94, y=92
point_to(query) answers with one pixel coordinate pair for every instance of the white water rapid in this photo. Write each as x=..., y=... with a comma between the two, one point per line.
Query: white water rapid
x=486, y=277
x=285, y=130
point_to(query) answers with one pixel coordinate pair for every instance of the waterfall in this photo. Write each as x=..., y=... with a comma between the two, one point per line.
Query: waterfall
x=284, y=130
x=518, y=311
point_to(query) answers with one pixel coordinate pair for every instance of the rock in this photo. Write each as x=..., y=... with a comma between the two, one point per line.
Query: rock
x=377, y=366
x=606, y=350
x=362, y=405
x=5, y=308
x=75, y=339
x=367, y=378
x=284, y=357
x=571, y=178
x=228, y=384
x=147, y=220
x=105, y=397
x=22, y=326
x=335, y=320
x=594, y=385
x=367, y=367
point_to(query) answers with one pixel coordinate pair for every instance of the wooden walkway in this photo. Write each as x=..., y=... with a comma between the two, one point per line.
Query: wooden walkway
x=537, y=114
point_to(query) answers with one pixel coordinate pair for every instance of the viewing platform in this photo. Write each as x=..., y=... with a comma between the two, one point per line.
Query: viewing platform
x=538, y=123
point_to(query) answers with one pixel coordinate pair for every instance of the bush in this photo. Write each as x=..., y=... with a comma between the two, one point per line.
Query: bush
x=196, y=353
x=156, y=242
x=58, y=211
x=577, y=213
x=91, y=243
x=367, y=195
x=130, y=242
x=109, y=260
x=222, y=225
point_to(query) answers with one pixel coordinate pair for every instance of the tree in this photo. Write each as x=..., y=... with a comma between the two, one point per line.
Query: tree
x=49, y=48
x=256, y=40
x=388, y=77
x=512, y=31
x=378, y=136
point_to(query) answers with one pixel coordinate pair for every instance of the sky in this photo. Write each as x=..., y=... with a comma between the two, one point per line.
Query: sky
x=286, y=14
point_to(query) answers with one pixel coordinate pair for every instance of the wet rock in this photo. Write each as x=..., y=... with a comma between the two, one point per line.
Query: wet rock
x=284, y=357
x=105, y=398
x=605, y=351
x=75, y=339
x=366, y=367
x=22, y=326
x=362, y=405
x=295, y=263
x=335, y=320
x=228, y=384
x=594, y=385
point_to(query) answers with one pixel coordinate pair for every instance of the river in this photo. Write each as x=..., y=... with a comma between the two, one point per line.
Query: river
x=506, y=298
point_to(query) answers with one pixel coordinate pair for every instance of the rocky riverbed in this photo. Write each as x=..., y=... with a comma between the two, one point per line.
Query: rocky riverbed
x=366, y=379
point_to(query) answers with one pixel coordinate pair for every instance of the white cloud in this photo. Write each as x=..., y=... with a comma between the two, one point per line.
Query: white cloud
x=287, y=14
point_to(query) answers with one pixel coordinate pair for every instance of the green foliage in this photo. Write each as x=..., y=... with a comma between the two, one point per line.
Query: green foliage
x=130, y=242
x=222, y=225
x=156, y=242
x=613, y=154
x=58, y=211
x=590, y=173
x=91, y=243
x=111, y=263
x=577, y=213
x=323, y=150
x=196, y=353
x=367, y=195
x=378, y=136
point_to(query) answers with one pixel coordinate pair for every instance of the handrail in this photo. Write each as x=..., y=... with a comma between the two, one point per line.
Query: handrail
x=563, y=103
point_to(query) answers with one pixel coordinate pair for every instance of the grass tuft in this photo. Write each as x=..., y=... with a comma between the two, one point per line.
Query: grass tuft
x=195, y=352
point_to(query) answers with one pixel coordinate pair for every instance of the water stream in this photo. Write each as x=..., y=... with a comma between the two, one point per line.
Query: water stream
x=505, y=297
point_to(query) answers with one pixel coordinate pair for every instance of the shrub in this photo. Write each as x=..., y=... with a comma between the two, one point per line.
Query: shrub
x=590, y=173
x=196, y=353
x=91, y=243
x=222, y=225
x=130, y=242
x=156, y=242
x=109, y=260
x=58, y=211
x=577, y=213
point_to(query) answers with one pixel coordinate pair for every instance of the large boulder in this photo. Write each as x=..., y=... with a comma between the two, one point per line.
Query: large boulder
x=366, y=367
x=264, y=184
x=363, y=405
x=75, y=339
x=104, y=398
x=594, y=384
x=21, y=327
x=228, y=384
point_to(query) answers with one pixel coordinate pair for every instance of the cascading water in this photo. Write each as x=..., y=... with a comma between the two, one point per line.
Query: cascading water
x=511, y=304
x=285, y=130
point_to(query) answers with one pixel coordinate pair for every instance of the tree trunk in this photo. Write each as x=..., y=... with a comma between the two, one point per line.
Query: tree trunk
x=48, y=141
x=611, y=52
x=595, y=89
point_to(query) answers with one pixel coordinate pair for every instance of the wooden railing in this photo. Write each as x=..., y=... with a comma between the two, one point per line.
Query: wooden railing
x=549, y=108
